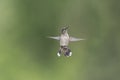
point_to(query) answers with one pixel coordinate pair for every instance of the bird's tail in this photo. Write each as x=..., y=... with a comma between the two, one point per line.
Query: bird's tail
x=59, y=53
x=68, y=52
x=64, y=49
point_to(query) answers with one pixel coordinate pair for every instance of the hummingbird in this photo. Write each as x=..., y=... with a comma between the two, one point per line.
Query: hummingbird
x=64, y=40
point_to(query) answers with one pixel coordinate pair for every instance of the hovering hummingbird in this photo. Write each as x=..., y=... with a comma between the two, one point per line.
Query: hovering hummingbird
x=64, y=39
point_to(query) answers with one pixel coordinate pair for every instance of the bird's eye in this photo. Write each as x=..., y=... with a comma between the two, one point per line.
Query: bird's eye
x=63, y=30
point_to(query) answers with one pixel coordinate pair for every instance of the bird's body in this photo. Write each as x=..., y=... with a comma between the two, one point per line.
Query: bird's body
x=64, y=39
x=64, y=42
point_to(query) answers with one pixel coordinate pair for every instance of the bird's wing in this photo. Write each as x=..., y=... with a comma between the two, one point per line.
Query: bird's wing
x=57, y=37
x=75, y=39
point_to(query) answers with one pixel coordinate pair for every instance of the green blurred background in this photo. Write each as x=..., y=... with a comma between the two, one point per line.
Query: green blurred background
x=27, y=54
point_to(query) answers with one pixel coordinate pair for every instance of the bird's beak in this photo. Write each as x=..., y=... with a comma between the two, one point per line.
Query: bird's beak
x=66, y=27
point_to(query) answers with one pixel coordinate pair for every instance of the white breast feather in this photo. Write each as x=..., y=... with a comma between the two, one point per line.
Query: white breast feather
x=64, y=40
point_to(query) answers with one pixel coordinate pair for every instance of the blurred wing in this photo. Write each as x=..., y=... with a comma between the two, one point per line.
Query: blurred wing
x=75, y=39
x=57, y=37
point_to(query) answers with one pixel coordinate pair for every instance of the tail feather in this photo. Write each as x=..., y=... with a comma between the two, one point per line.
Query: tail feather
x=59, y=53
x=68, y=52
x=64, y=49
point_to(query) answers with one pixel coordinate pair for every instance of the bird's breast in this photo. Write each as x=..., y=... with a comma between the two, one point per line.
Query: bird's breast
x=64, y=40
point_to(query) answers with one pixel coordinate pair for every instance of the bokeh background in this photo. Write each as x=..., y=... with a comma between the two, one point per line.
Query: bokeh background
x=27, y=54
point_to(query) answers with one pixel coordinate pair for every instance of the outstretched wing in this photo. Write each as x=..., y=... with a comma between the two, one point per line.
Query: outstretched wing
x=75, y=39
x=57, y=37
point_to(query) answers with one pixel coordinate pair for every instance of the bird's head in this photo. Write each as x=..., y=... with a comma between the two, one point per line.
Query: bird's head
x=64, y=29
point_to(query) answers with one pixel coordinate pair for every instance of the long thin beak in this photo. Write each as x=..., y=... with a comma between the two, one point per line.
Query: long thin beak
x=66, y=27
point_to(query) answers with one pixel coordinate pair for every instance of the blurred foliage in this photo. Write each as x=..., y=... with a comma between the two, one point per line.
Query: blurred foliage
x=27, y=54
